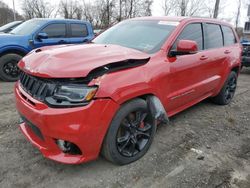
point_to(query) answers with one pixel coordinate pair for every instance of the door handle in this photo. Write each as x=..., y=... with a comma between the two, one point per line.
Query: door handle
x=203, y=57
x=227, y=52
x=61, y=42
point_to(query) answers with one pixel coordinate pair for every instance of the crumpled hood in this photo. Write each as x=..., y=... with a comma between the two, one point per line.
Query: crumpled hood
x=74, y=61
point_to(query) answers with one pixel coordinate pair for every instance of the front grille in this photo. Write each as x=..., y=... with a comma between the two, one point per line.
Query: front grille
x=38, y=88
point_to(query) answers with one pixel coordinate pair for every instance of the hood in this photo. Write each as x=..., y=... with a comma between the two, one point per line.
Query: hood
x=74, y=61
x=10, y=39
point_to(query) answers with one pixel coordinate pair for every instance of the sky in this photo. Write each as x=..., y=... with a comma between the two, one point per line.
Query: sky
x=228, y=8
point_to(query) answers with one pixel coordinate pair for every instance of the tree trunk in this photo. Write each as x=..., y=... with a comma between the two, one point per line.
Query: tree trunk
x=216, y=8
x=238, y=15
x=183, y=8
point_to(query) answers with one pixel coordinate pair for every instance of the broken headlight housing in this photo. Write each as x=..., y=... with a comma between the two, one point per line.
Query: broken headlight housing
x=71, y=95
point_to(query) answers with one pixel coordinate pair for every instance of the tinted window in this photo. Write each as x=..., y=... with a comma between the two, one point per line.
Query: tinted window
x=55, y=30
x=78, y=30
x=229, y=37
x=191, y=32
x=213, y=36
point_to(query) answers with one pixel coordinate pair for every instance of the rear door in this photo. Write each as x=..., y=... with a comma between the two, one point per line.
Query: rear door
x=78, y=33
x=213, y=61
x=185, y=76
x=57, y=34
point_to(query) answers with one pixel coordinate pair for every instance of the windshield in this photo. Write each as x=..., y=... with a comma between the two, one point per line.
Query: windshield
x=27, y=27
x=144, y=35
x=9, y=25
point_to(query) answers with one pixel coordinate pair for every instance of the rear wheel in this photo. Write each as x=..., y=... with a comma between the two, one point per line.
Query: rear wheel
x=8, y=67
x=130, y=134
x=227, y=92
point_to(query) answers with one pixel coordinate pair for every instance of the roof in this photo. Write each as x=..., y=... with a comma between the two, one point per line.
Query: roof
x=182, y=18
x=59, y=19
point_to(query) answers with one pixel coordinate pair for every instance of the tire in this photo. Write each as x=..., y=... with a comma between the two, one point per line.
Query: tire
x=8, y=67
x=122, y=144
x=228, y=90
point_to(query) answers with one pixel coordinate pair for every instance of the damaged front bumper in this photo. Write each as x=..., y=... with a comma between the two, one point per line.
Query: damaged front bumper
x=83, y=126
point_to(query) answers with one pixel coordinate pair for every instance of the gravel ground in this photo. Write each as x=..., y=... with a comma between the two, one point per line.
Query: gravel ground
x=204, y=146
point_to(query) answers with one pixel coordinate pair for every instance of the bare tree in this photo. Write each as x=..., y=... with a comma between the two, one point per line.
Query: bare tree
x=237, y=15
x=216, y=8
x=188, y=7
x=167, y=6
x=148, y=5
x=37, y=9
x=6, y=14
x=70, y=9
x=105, y=13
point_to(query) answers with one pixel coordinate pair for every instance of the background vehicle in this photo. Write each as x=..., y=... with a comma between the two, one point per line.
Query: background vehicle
x=108, y=96
x=246, y=53
x=10, y=26
x=36, y=33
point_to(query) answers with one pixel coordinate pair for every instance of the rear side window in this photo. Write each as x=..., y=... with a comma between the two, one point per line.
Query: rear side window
x=55, y=30
x=229, y=37
x=213, y=35
x=191, y=32
x=79, y=30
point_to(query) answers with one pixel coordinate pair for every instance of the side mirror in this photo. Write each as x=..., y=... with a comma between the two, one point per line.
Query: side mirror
x=42, y=36
x=185, y=47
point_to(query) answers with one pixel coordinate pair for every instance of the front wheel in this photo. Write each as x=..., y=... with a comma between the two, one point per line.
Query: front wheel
x=228, y=90
x=8, y=67
x=130, y=133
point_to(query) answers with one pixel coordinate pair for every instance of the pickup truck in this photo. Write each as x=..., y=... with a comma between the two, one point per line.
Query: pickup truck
x=36, y=33
x=245, y=53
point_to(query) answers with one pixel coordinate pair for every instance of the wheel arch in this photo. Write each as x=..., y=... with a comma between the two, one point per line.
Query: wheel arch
x=18, y=51
x=155, y=106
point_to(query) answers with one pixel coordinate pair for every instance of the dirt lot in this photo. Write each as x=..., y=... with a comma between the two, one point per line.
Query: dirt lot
x=222, y=133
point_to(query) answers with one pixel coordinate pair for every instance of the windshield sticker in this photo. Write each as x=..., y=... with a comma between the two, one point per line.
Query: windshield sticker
x=168, y=23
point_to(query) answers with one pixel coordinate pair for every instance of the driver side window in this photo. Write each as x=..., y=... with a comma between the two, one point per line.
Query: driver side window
x=191, y=32
x=55, y=30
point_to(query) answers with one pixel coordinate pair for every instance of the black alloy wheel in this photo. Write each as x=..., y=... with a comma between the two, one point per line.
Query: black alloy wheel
x=230, y=89
x=227, y=92
x=134, y=134
x=130, y=134
x=8, y=67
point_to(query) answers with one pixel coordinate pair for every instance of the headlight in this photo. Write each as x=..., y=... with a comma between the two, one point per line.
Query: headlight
x=72, y=95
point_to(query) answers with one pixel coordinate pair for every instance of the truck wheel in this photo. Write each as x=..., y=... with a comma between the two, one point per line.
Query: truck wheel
x=130, y=133
x=228, y=90
x=8, y=67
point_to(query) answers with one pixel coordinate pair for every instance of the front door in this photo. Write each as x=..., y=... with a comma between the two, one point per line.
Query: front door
x=56, y=35
x=185, y=78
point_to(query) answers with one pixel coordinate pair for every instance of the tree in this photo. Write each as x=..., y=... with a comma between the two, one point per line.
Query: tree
x=167, y=6
x=37, y=9
x=237, y=15
x=148, y=5
x=183, y=7
x=6, y=14
x=216, y=8
x=70, y=9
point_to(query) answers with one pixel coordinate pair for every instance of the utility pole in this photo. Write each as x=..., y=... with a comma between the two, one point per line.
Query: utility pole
x=14, y=10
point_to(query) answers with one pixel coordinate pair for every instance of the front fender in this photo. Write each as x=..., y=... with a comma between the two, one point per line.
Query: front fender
x=123, y=85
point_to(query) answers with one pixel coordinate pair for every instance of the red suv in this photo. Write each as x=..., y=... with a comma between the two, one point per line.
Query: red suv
x=76, y=101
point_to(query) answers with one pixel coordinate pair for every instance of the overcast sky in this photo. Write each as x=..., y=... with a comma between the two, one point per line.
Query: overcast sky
x=228, y=8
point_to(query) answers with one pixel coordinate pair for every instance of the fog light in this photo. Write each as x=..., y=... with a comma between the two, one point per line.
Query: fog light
x=68, y=147
x=63, y=145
